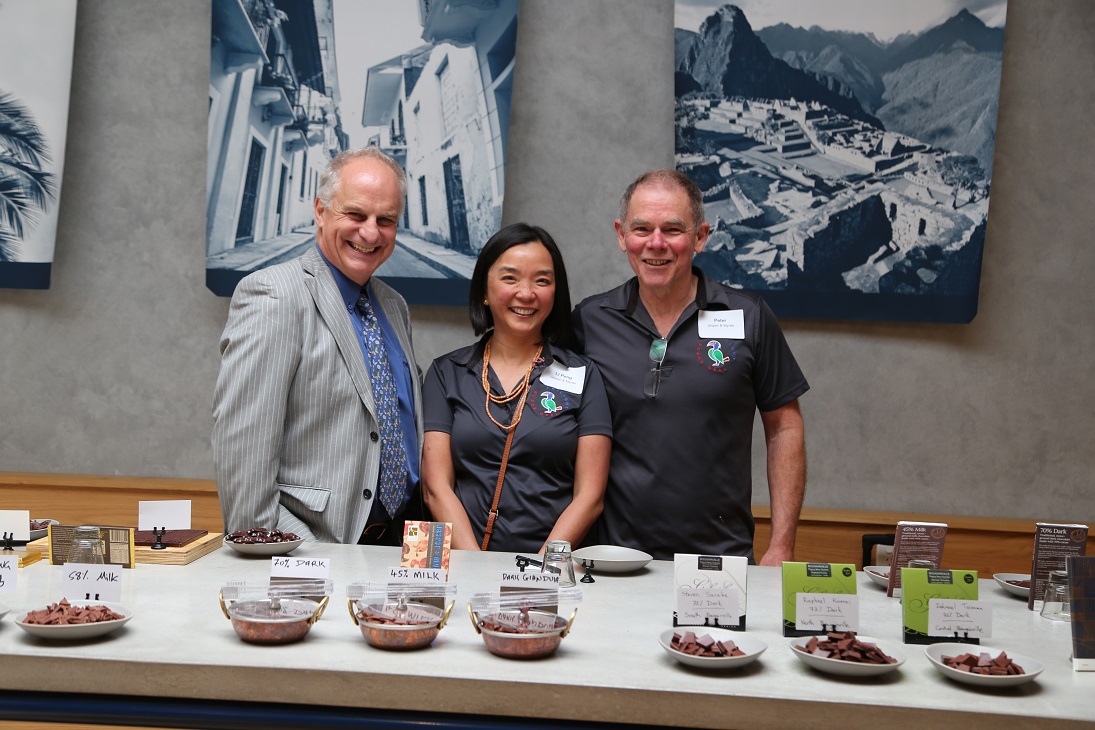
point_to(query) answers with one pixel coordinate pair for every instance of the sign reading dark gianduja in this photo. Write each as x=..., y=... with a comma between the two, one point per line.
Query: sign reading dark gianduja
x=1053, y=544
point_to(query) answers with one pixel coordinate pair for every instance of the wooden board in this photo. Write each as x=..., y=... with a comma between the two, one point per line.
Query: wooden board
x=168, y=556
x=181, y=555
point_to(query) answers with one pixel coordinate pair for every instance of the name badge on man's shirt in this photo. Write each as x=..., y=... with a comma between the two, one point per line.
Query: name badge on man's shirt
x=724, y=324
x=572, y=380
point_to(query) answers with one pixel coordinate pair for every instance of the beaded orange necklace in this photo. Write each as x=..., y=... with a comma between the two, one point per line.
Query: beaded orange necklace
x=519, y=391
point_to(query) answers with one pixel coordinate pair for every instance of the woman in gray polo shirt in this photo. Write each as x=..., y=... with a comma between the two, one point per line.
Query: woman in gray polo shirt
x=518, y=404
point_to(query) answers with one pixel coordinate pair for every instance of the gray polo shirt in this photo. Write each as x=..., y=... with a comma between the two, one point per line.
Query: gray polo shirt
x=539, y=480
x=681, y=474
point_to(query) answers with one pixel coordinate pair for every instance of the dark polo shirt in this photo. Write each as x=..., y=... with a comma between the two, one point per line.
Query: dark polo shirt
x=681, y=474
x=539, y=480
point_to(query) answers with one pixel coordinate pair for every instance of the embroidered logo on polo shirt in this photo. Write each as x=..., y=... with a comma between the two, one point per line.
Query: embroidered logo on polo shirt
x=549, y=403
x=716, y=355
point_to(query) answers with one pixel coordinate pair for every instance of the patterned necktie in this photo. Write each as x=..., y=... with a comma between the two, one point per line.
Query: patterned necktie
x=393, y=459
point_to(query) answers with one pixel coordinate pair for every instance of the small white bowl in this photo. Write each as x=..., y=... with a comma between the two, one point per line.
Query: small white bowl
x=1031, y=666
x=264, y=548
x=1002, y=581
x=39, y=534
x=73, y=632
x=845, y=668
x=611, y=559
x=753, y=648
x=880, y=574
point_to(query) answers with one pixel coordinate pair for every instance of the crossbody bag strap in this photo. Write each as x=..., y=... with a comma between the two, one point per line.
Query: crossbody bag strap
x=493, y=514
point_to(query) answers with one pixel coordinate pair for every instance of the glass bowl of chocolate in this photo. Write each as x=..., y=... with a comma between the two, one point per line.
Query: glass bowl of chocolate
x=847, y=654
x=274, y=613
x=261, y=541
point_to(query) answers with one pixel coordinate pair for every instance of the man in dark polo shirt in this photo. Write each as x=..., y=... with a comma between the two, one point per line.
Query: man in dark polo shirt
x=687, y=363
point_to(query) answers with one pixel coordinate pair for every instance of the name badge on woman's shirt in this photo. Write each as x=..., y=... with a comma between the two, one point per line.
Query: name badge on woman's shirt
x=572, y=380
x=723, y=324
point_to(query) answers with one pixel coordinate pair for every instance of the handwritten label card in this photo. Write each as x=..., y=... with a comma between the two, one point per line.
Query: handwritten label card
x=290, y=567
x=531, y=579
x=717, y=606
x=710, y=590
x=959, y=619
x=92, y=582
x=169, y=514
x=416, y=575
x=832, y=582
x=827, y=612
x=9, y=571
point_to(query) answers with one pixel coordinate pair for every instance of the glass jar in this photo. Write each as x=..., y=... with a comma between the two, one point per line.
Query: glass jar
x=86, y=546
x=1055, y=604
x=557, y=556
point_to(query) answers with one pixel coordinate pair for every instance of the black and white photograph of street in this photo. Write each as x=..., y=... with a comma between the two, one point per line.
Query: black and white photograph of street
x=845, y=149
x=294, y=82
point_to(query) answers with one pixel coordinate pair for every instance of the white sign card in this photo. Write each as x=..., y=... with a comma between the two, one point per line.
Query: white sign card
x=710, y=590
x=169, y=514
x=827, y=612
x=9, y=573
x=92, y=582
x=15, y=523
x=529, y=579
x=960, y=619
x=557, y=375
x=290, y=567
x=417, y=575
x=726, y=324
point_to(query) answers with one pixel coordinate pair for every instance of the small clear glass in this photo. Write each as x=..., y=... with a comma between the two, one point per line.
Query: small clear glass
x=557, y=555
x=86, y=546
x=1055, y=605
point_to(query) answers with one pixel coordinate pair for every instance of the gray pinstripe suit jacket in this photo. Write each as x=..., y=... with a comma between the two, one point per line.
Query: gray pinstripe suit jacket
x=295, y=432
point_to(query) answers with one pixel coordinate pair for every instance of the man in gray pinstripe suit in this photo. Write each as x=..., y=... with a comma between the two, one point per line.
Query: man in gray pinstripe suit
x=296, y=435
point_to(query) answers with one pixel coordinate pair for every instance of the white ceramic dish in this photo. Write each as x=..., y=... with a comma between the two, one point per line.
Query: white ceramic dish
x=39, y=534
x=880, y=574
x=73, y=632
x=850, y=669
x=1002, y=581
x=611, y=559
x=265, y=548
x=753, y=648
x=1031, y=666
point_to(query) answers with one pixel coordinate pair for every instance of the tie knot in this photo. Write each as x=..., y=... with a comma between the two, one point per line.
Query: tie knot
x=363, y=304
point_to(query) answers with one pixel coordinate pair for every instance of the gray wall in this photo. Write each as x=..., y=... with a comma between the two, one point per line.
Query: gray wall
x=111, y=370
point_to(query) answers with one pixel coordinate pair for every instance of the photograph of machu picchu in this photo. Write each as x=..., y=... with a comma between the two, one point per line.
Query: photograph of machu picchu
x=844, y=148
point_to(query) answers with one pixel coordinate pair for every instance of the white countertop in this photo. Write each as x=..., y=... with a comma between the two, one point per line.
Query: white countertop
x=610, y=668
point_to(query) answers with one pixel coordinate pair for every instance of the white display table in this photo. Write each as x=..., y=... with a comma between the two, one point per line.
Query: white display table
x=609, y=669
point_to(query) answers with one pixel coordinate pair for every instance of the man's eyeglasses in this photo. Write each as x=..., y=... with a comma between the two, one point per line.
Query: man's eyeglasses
x=654, y=376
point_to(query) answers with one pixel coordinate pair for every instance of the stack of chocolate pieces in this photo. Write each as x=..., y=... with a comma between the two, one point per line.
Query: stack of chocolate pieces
x=846, y=647
x=689, y=643
x=984, y=664
x=64, y=613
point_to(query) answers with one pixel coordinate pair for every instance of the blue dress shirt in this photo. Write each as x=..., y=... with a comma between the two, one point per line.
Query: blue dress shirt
x=401, y=369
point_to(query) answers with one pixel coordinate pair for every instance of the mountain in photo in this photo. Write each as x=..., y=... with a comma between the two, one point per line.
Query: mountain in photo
x=940, y=86
x=726, y=58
